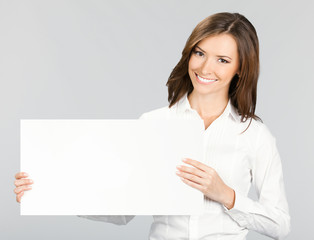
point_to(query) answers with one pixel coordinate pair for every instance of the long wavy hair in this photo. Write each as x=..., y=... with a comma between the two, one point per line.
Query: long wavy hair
x=243, y=86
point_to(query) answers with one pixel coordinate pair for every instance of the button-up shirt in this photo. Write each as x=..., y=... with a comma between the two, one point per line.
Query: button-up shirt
x=242, y=159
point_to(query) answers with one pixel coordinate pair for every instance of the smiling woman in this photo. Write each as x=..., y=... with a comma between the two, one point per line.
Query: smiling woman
x=213, y=64
x=216, y=81
x=222, y=43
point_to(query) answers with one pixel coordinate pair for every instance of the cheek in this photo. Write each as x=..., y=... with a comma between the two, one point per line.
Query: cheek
x=226, y=73
x=193, y=63
x=191, y=69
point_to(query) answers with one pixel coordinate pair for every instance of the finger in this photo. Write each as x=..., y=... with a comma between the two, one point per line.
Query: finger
x=20, y=189
x=194, y=171
x=21, y=182
x=191, y=177
x=19, y=196
x=196, y=164
x=21, y=175
x=193, y=184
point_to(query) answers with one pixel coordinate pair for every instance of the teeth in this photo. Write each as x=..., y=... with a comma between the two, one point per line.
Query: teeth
x=205, y=80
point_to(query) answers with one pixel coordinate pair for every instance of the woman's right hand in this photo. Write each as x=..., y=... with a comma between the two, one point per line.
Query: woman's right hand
x=22, y=184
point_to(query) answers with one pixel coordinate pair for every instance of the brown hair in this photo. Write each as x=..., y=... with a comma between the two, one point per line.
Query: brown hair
x=243, y=86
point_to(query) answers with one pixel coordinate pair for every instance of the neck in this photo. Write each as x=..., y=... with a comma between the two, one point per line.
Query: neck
x=208, y=106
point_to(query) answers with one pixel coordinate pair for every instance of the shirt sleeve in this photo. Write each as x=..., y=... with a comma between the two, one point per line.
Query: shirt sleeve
x=270, y=214
x=114, y=219
x=143, y=116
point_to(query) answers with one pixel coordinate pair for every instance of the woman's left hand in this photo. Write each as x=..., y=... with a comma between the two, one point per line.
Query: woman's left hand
x=206, y=180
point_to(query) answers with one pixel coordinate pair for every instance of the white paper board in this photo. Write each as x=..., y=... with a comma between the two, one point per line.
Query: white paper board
x=109, y=167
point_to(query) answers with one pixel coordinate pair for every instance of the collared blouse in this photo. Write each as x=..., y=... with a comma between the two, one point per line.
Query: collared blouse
x=242, y=159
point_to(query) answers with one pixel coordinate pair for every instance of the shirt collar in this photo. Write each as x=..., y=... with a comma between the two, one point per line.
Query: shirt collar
x=183, y=105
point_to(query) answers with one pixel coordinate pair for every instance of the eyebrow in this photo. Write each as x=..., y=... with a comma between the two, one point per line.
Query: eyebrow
x=217, y=56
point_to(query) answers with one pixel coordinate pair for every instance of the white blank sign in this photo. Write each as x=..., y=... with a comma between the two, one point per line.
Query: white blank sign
x=109, y=167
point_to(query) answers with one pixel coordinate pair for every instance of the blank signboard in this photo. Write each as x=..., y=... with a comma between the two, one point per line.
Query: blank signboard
x=109, y=167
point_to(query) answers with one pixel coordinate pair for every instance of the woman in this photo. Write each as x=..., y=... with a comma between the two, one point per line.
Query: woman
x=216, y=80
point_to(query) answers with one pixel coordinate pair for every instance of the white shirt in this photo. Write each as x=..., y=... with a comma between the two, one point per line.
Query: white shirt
x=241, y=160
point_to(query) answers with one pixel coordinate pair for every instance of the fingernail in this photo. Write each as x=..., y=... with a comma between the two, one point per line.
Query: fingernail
x=25, y=174
x=179, y=167
x=184, y=159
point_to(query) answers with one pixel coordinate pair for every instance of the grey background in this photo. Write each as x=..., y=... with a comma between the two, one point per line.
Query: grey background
x=111, y=59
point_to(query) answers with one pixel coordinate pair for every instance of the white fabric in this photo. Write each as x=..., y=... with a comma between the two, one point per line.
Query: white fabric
x=241, y=160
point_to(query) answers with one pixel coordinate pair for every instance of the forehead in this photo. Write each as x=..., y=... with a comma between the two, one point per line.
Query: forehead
x=221, y=44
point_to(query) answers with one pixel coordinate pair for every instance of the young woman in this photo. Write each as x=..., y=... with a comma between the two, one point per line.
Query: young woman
x=216, y=80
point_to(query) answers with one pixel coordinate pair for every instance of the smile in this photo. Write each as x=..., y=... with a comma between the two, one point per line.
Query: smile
x=204, y=80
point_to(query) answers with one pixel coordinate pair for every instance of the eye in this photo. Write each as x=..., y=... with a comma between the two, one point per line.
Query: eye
x=222, y=60
x=198, y=53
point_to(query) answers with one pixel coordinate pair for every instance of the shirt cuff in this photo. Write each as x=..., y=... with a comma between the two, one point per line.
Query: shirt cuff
x=240, y=210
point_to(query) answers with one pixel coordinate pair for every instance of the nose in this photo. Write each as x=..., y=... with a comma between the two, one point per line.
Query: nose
x=207, y=68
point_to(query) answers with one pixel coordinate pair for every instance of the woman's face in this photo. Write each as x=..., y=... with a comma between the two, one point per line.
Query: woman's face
x=213, y=63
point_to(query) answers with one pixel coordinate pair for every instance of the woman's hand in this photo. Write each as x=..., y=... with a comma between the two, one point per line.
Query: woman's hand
x=22, y=184
x=206, y=179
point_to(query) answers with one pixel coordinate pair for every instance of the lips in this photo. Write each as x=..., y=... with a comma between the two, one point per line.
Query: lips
x=204, y=80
